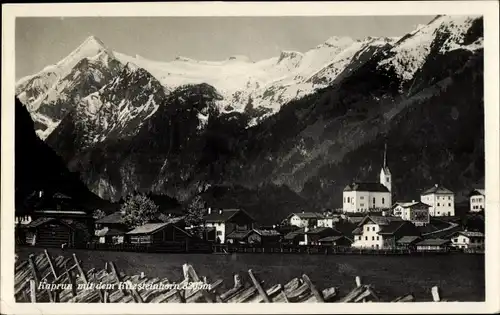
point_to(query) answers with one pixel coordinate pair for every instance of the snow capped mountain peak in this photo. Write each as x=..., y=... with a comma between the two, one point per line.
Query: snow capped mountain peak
x=241, y=58
x=411, y=51
x=336, y=41
x=287, y=54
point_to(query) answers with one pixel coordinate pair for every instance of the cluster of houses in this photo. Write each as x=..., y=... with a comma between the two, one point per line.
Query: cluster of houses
x=369, y=219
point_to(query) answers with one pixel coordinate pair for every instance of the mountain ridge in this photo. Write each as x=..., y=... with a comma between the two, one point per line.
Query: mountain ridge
x=414, y=93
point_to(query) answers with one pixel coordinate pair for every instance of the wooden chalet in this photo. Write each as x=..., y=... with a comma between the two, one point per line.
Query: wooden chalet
x=56, y=232
x=433, y=244
x=111, y=229
x=158, y=233
x=262, y=237
x=408, y=242
x=336, y=241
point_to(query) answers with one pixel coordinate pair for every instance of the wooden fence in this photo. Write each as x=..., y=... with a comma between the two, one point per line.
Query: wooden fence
x=43, y=278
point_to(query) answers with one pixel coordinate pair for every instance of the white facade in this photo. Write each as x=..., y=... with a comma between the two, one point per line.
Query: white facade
x=363, y=201
x=220, y=230
x=386, y=178
x=441, y=204
x=477, y=200
x=306, y=219
x=466, y=240
x=327, y=222
x=415, y=212
x=369, y=238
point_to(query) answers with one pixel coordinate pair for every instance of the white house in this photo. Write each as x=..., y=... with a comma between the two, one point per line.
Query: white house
x=377, y=232
x=467, y=240
x=328, y=220
x=365, y=196
x=305, y=219
x=415, y=211
x=440, y=200
x=477, y=200
x=226, y=221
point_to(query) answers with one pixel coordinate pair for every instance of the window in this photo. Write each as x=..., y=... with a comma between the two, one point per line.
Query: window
x=383, y=200
x=449, y=197
x=373, y=200
x=387, y=179
x=438, y=204
x=367, y=228
x=449, y=204
x=373, y=229
x=378, y=237
x=438, y=212
x=362, y=197
x=373, y=238
x=361, y=204
x=348, y=199
x=366, y=238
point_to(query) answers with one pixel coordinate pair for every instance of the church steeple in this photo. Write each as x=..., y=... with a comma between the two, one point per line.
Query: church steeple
x=385, y=155
x=385, y=173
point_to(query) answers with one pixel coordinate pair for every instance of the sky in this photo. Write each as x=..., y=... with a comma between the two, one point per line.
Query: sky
x=41, y=41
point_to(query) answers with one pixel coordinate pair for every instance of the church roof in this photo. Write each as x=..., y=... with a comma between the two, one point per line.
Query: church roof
x=374, y=187
x=386, y=170
x=437, y=189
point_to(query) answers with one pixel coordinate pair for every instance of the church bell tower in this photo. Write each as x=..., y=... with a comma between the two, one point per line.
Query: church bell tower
x=385, y=173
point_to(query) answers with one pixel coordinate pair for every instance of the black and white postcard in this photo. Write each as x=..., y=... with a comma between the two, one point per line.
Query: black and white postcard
x=177, y=155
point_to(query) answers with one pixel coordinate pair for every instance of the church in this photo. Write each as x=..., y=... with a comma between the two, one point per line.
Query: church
x=369, y=196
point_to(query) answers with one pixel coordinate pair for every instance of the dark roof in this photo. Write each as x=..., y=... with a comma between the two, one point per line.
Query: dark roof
x=357, y=231
x=238, y=235
x=412, y=204
x=377, y=187
x=292, y=235
x=147, y=228
x=380, y=220
x=437, y=189
x=308, y=215
x=477, y=191
x=115, y=217
x=267, y=232
x=73, y=224
x=392, y=227
x=61, y=196
x=332, y=238
x=469, y=233
x=224, y=215
x=433, y=242
x=38, y=222
x=323, y=230
x=409, y=239
x=109, y=232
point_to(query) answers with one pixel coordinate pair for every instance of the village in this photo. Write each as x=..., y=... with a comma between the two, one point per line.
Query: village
x=369, y=221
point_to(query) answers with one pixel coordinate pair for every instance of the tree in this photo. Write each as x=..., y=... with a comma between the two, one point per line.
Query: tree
x=98, y=214
x=138, y=210
x=195, y=211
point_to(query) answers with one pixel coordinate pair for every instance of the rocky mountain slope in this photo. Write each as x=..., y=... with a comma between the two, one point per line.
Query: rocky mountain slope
x=286, y=133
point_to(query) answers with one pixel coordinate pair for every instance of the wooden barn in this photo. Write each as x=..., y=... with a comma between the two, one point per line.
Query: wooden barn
x=55, y=232
x=157, y=234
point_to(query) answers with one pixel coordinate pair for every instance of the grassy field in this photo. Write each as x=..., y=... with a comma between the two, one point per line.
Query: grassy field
x=459, y=276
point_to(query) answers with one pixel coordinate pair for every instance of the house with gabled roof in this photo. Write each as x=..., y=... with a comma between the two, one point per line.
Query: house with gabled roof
x=226, y=221
x=379, y=232
x=467, y=240
x=477, y=200
x=440, y=199
x=416, y=212
x=303, y=219
x=157, y=234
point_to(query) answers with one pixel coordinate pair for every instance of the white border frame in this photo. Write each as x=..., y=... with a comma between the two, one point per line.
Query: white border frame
x=489, y=9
